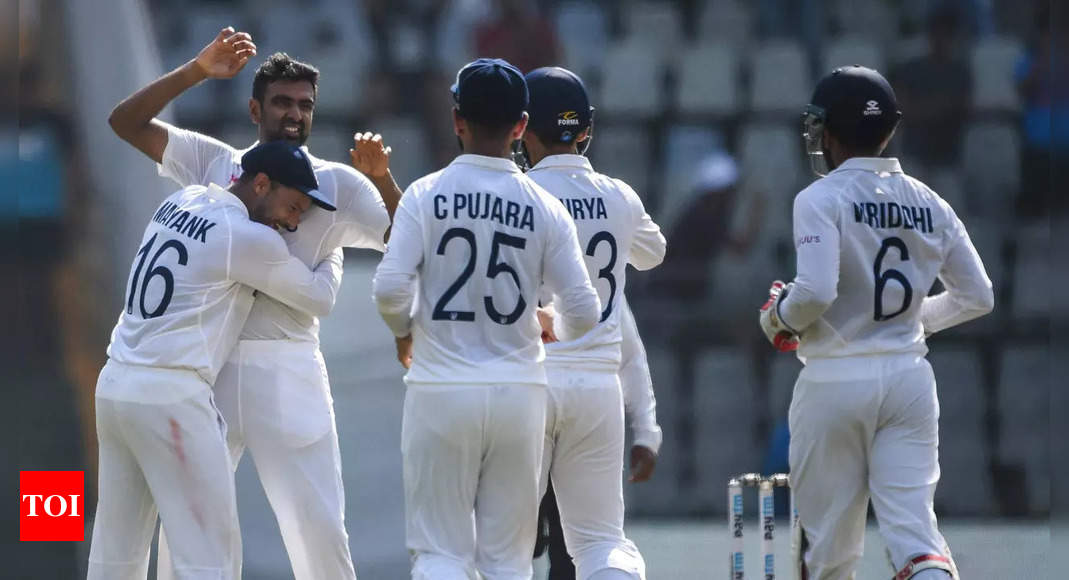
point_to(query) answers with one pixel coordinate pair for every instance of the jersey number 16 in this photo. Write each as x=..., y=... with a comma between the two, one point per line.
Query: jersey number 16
x=154, y=271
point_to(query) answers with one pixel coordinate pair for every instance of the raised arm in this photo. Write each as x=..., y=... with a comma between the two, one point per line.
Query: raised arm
x=134, y=119
x=370, y=157
x=259, y=258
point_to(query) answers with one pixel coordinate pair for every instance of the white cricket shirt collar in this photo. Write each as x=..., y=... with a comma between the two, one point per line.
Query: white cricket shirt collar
x=218, y=194
x=569, y=160
x=871, y=164
x=497, y=163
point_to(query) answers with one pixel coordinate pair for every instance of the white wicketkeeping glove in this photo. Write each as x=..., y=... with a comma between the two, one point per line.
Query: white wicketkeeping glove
x=783, y=339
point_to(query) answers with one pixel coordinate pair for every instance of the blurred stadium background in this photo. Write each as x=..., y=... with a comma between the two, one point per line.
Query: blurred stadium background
x=673, y=83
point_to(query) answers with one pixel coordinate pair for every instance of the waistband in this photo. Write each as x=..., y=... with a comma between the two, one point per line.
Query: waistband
x=861, y=366
x=568, y=377
x=282, y=346
x=422, y=386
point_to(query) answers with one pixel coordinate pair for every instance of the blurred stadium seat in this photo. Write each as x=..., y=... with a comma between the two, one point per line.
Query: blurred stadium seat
x=655, y=25
x=1031, y=274
x=870, y=19
x=965, y=485
x=582, y=29
x=947, y=183
x=780, y=79
x=848, y=50
x=658, y=494
x=771, y=157
x=1024, y=411
x=624, y=152
x=992, y=168
x=723, y=415
x=726, y=21
x=993, y=60
x=707, y=81
x=632, y=83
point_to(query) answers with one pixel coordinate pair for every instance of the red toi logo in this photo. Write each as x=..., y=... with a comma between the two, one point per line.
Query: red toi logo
x=52, y=506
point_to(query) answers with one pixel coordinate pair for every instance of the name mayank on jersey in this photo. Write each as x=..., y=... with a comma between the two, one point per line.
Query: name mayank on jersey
x=181, y=221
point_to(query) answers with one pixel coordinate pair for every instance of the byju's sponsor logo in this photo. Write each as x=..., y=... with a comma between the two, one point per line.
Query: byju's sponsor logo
x=51, y=506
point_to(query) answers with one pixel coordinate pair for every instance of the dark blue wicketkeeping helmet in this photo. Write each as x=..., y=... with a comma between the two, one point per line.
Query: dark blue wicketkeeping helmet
x=855, y=104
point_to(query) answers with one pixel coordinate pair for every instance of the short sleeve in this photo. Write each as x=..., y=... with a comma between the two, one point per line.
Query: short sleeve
x=362, y=216
x=189, y=155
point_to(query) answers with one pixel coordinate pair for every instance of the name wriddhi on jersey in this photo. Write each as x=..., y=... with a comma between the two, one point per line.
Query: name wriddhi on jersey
x=480, y=205
x=893, y=215
x=183, y=222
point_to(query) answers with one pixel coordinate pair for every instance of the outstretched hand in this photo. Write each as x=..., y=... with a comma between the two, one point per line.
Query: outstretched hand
x=369, y=156
x=225, y=56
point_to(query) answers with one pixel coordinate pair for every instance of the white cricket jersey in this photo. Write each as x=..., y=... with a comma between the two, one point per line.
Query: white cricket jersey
x=614, y=230
x=475, y=241
x=191, y=283
x=870, y=243
x=360, y=221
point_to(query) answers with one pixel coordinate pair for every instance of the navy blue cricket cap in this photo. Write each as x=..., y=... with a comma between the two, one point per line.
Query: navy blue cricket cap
x=287, y=164
x=560, y=107
x=859, y=105
x=490, y=91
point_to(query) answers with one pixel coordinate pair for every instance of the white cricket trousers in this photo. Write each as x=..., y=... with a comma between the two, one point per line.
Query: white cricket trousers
x=471, y=458
x=865, y=427
x=584, y=456
x=275, y=398
x=163, y=455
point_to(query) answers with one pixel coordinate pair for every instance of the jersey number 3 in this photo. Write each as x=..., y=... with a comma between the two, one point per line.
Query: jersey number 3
x=890, y=274
x=494, y=267
x=155, y=271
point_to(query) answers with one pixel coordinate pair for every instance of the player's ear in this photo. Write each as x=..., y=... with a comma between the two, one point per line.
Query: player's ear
x=261, y=184
x=519, y=128
x=255, y=112
x=460, y=126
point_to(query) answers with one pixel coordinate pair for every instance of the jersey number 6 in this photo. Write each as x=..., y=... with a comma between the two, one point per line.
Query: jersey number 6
x=890, y=274
x=493, y=268
x=153, y=272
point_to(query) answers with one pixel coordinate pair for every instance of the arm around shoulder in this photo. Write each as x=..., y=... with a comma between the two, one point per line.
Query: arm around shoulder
x=259, y=258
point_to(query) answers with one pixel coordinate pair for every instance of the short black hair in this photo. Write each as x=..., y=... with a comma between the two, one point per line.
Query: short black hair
x=282, y=67
x=489, y=131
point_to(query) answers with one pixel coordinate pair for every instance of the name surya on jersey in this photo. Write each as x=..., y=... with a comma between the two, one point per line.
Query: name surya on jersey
x=586, y=208
x=892, y=215
x=481, y=206
x=183, y=222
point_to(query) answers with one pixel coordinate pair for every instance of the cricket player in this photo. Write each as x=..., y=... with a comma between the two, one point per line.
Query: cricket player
x=162, y=441
x=640, y=404
x=584, y=445
x=273, y=391
x=475, y=242
x=870, y=243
